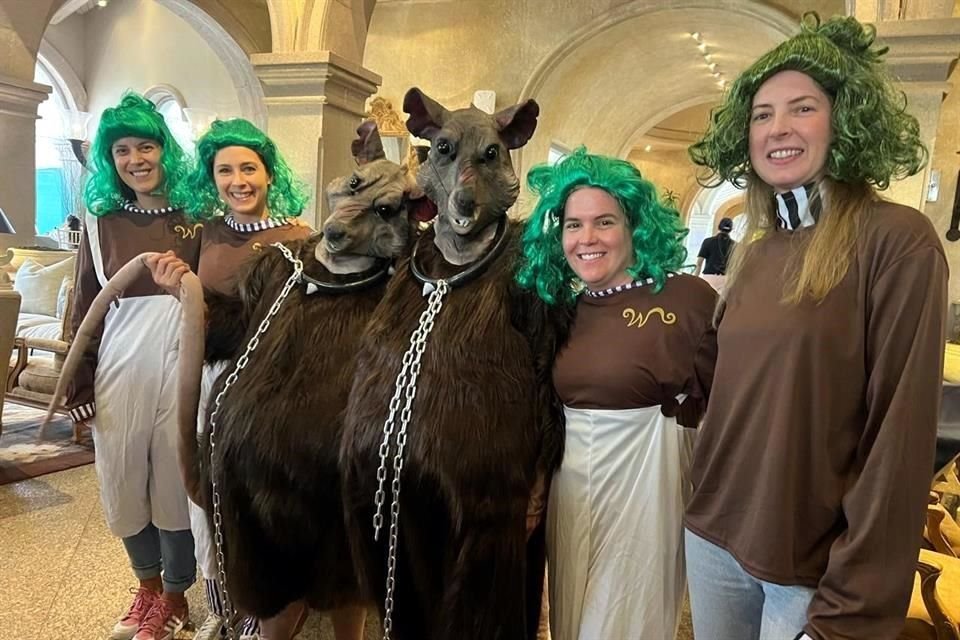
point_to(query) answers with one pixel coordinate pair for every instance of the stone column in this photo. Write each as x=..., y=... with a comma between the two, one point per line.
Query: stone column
x=19, y=100
x=922, y=52
x=315, y=101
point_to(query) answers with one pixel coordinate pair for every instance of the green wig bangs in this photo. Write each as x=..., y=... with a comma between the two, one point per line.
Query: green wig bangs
x=135, y=116
x=286, y=197
x=874, y=139
x=656, y=228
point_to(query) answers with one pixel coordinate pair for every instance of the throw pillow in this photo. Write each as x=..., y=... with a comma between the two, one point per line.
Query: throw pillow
x=62, y=296
x=39, y=286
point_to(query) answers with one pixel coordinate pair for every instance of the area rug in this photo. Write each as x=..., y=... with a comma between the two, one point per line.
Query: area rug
x=22, y=456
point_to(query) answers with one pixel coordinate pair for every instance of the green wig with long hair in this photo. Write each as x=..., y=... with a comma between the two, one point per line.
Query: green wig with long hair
x=286, y=197
x=656, y=229
x=135, y=116
x=874, y=139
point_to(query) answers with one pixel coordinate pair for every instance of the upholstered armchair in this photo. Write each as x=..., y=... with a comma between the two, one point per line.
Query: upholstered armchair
x=36, y=368
x=9, y=310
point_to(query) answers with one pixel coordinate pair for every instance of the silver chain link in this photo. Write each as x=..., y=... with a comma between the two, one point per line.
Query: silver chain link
x=291, y=282
x=405, y=388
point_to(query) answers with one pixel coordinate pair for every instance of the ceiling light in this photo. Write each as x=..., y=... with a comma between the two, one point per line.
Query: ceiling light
x=716, y=74
x=708, y=57
x=696, y=36
x=721, y=83
x=102, y=3
x=712, y=66
x=648, y=148
x=703, y=47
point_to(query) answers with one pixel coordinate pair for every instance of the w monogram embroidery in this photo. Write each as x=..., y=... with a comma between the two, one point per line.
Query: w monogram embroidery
x=638, y=319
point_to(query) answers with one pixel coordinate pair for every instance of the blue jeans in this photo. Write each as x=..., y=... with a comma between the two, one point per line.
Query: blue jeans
x=172, y=551
x=728, y=603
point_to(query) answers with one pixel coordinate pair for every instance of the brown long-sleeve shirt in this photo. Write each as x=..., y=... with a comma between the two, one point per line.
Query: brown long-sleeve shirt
x=122, y=236
x=814, y=459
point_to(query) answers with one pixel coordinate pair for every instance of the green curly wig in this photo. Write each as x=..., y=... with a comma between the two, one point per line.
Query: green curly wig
x=286, y=197
x=136, y=116
x=874, y=139
x=656, y=228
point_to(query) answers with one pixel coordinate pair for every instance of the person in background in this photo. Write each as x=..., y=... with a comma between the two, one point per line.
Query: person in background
x=716, y=250
x=812, y=466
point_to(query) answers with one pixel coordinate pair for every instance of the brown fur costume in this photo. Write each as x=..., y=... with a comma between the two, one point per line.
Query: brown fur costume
x=278, y=427
x=485, y=421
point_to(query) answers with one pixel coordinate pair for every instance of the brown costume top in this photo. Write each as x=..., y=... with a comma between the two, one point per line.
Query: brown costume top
x=228, y=244
x=640, y=348
x=122, y=236
x=815, y=455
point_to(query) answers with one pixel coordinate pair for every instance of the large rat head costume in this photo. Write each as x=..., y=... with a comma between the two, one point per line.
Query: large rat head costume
x=371, y=208
x=468, y=172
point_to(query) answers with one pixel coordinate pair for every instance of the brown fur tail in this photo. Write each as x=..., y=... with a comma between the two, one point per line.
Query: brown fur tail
x=94, y=318
x=189, y=373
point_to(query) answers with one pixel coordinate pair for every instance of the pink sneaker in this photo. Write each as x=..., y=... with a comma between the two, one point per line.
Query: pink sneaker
x=163, y=621
x=143, y=600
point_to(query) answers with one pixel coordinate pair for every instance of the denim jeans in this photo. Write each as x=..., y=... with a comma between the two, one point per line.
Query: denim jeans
x=172, y=551
x=729, y=604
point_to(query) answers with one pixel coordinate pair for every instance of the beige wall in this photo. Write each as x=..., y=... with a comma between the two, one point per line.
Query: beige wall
x=136, y=44
x=668, y=170
x=946, y=158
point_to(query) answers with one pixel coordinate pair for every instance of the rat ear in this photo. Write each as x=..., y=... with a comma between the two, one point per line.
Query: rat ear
x=368, y=146
x=426, y=115
x=516, y=124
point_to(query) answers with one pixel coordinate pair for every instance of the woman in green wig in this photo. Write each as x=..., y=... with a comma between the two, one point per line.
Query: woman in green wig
x=126, y=389
x=812, y=465
x=601, y=243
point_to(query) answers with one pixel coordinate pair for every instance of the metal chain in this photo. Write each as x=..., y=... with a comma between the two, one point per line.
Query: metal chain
x=291, y=282
x=406, y=387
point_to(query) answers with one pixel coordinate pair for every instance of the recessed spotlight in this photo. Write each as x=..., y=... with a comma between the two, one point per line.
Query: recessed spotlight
x=102, y=3
x=708, y=57
x=648, y=148
x=696, y=36
x=703, y=47
x=721, y=83
x=716, y=74
x=712, y=66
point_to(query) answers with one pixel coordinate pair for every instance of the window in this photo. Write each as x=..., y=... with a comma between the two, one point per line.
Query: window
x=170, y=104
x=556, y=153
x=58, y=173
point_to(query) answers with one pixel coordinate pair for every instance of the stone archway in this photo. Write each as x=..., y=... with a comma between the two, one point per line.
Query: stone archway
x=234, y=58
x=621, y=74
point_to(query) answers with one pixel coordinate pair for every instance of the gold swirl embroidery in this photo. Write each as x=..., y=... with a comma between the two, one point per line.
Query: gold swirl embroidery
x=256, y=247
x=637, y=319
x=188, y=232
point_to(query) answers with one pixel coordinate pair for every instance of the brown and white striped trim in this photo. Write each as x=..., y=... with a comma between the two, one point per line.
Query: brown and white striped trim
x=262, y=225
x=83, y=412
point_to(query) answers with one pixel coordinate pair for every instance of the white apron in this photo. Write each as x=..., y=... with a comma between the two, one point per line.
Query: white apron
x=615, y=528
x=204, y=549
x=135, y=428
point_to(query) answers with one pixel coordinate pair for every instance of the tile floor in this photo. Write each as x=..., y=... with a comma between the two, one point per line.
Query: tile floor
x=63, y=576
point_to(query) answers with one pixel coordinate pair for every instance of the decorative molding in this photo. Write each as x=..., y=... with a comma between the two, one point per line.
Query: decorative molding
x=65, y=76
x=389, y=122
x=319, y=78
x=20, y=98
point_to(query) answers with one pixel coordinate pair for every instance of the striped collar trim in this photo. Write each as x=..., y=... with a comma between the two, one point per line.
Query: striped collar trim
x=636, y=284
x=161, y=211
x=262, y=225
x=798, y=207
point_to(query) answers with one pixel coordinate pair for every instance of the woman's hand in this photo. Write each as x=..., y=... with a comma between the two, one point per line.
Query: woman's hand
x=167, y=271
